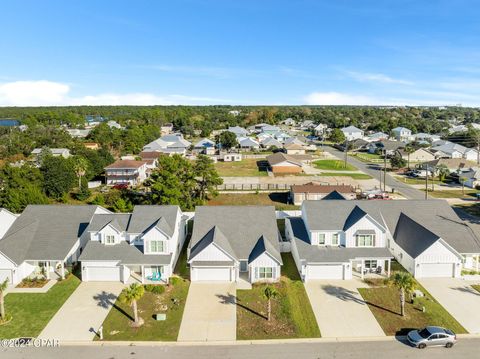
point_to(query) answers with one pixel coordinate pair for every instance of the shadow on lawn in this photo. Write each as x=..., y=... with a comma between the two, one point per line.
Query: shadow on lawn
x=231, y=299
x=105, y=300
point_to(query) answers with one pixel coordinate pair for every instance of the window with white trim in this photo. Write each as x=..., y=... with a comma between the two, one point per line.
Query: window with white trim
x=365, y=240
x=321, y=239
x=371, y=263
x=335, y=239
x=157, y=246
x=109, y=239
x=265, y=272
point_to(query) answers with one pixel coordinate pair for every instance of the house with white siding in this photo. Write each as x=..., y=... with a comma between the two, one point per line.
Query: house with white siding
x=341, y=239
x=352, y=133
x=234, y=243
x=143, y=245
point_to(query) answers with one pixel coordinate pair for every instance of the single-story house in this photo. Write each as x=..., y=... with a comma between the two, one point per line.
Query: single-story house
x=453, y=164
x=248, y=143
x=471, y=177
x=341, y=239
x=269, y=142
x=314, y=191
x=143, y=245
x=205, y=146
x=231, y=157
x=282, y=163
x=294, y=149
x=419, y=155
x=377, y=136
x=230, y=243
x=128, y=172
x=238, y=131
x=169, y=144
x=43, y=240
x=388, y=147
x=56, y=152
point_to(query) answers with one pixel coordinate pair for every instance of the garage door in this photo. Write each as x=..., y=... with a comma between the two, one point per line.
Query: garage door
x=107, y=274
x=431, y=270
x=331, y=271
x=212, y=274
x=5, y=274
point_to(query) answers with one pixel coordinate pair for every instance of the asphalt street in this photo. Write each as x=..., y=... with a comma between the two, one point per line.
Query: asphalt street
x=391, y=349
x=373, y=170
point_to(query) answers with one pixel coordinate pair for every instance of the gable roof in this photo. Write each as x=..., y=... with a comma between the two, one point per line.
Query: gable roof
x=280, y=157
x=46, y=232
x=312, y=187
x=126, y=164
x=354, y=216
x=412, y=236
x=435, y=215
x=215, y=236
x=239, y=226
x=262, y=246
x=351, y=129
x=334, y=195
x=144, y=216
x=119, y=221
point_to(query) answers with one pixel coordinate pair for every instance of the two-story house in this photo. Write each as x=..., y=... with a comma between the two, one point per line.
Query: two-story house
x=143, y=245
x=232, y=243
x=128, y=172
x=352, y=133
x=341, y=239
x=403, y=134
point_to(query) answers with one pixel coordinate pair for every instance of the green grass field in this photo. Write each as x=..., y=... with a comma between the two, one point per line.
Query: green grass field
x=277, y=199
x=292, y=315
x=245, y=168
x=32, y=311
x=333, y=165
x=357, y=176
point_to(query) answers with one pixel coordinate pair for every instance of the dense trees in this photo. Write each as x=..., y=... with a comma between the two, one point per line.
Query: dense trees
x=227, y=140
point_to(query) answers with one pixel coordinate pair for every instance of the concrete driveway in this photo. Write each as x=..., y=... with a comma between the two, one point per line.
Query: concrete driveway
x=458, y=298
x=210, y=313
x=83, y=312
x=340, y=309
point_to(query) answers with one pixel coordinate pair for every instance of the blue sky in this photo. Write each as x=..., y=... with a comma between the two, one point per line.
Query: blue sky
x=423, y=52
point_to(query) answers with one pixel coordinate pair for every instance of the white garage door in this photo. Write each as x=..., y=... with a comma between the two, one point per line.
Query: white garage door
x=429, y=270
x=324, y=271
x=213, y=274
x=5, y=274
x=107, y=274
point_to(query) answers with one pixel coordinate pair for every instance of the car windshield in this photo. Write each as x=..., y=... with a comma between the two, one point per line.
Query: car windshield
x=424, y=333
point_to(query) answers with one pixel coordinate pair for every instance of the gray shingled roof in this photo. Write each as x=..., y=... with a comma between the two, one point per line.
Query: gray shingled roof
x=122, y=252
x=144, y=216
x=45, y=232
x=435, y=215
x=413, y=237
x=242, y=227
x=334, y=195
x=216, y=236
x=119, y=221
x=319, y=254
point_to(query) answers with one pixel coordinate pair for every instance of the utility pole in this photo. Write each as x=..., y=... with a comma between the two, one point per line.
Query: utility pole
x=384, y=170
x=426, y=181
x=346, y=153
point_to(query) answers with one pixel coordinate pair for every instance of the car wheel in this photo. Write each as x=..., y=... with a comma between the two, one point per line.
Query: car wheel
x=448, y=345
x=422, y=346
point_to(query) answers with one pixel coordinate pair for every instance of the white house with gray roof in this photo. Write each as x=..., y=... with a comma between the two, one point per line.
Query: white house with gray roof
x=230, y=243
x=43, y=240
x=143, y=245
x=340, y=239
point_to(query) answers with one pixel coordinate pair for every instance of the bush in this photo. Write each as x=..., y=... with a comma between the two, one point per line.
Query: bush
x=154, y=288
x=175, y=280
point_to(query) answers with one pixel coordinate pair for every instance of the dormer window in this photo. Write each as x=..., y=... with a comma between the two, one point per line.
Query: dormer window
x=157, y=246
x=321, y=239
x=365, y=240
x=109, y=239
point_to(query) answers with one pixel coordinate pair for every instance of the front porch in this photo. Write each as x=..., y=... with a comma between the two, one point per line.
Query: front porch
x=371, y=268
x=50, y=270
x=147, y=274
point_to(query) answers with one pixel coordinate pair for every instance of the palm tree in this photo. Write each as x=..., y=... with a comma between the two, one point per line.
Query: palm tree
x=409, y=150
x=80, y=166
x=3, y=287
x=405, y=283
x=269, y=294
x=443, y=172
x=129, y=296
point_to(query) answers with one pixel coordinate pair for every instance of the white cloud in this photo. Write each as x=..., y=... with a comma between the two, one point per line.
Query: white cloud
x=337, y=98
x=376, y=77
x=48, y=93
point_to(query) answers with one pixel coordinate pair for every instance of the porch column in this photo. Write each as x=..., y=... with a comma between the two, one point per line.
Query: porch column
x=363, y=267
x=388, y=267
x=62, y=270
x=143, y=274
x=47, y=270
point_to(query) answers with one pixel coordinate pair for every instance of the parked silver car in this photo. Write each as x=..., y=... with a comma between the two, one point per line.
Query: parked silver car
x=432, y=336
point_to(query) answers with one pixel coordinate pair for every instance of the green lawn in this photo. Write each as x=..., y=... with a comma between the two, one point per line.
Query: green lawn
x=357, y=176
x=333, y=165
x=385, y=305
x=117, y=324
x=181, y=268
x=32, y=311
x=476, y=287
x=292, y=315
x=468, y=194
x=277, y=199
x=249, y=167
x=409, y=180
x=367, y=157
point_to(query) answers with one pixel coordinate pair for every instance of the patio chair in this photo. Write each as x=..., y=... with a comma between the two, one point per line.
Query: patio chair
x=378, y=270
x=156, y=277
